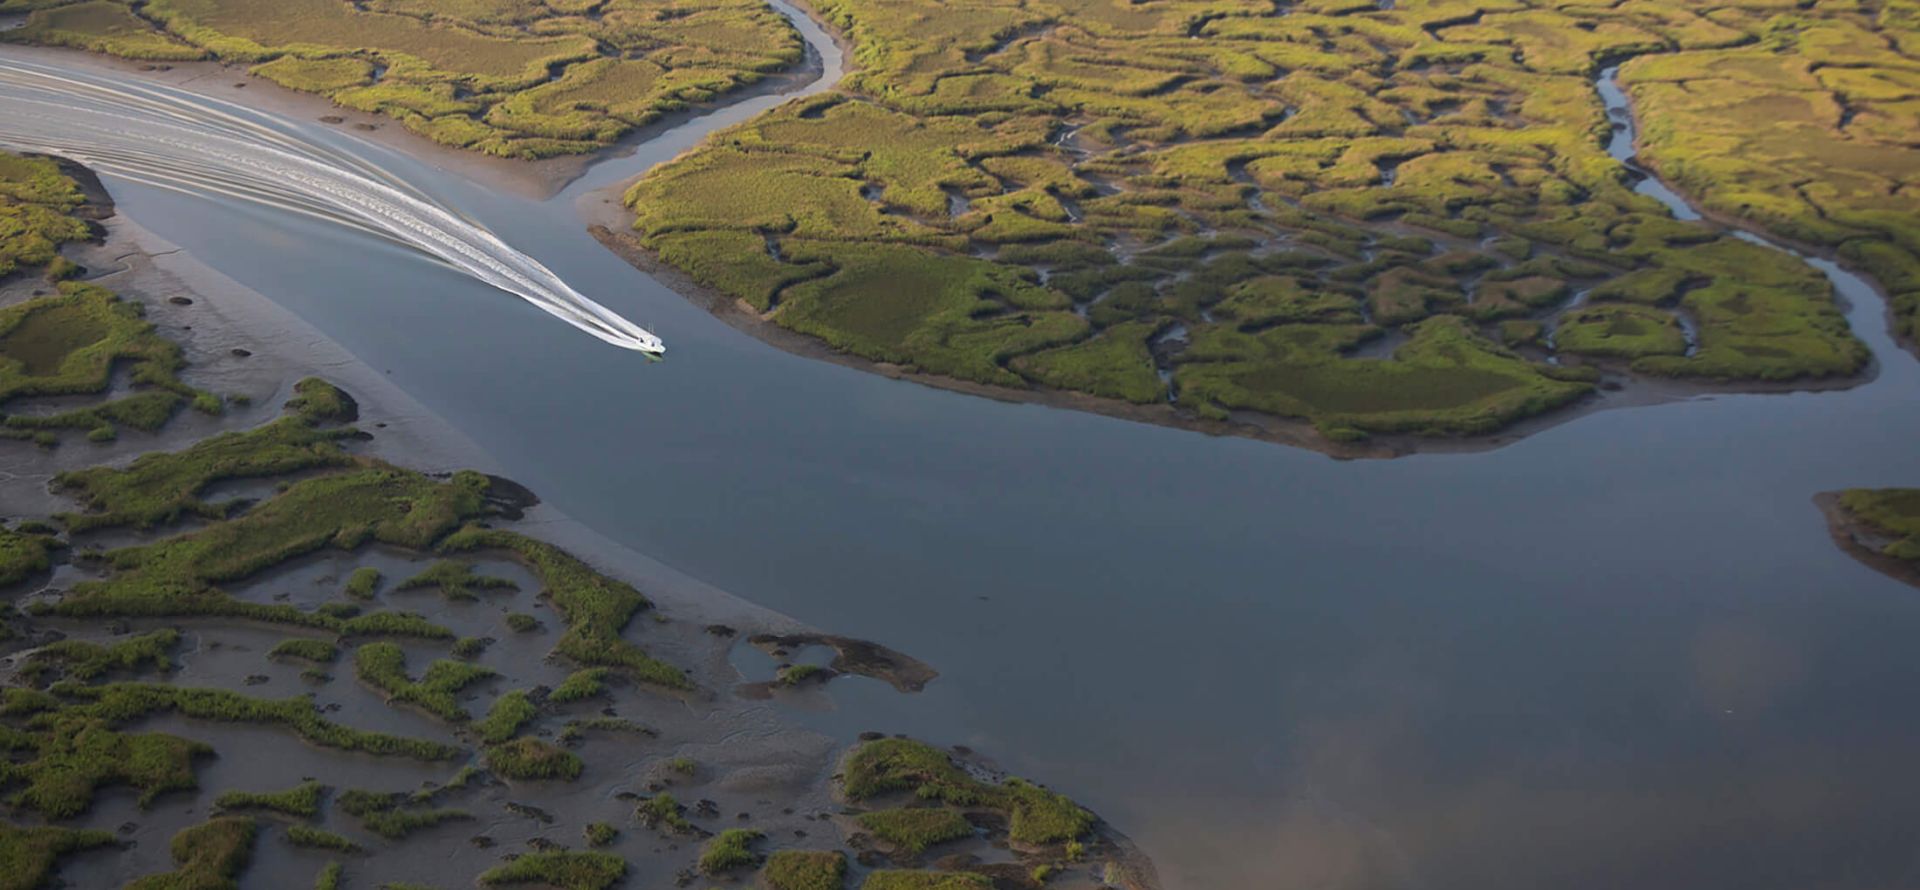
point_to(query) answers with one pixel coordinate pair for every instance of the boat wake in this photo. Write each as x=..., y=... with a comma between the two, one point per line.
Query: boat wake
x=199, y=145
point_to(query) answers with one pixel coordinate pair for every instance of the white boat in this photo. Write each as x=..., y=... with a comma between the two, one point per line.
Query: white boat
x=647, y=343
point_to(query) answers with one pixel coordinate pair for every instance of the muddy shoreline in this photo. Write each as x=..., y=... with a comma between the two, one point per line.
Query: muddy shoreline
x=238, y=342
x=752, y=759
x=1852, y=534
x=1248, y=425
x=610, y=224
x=211, y=317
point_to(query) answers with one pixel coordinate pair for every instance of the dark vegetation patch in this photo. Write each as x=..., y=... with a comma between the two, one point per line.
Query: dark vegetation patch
x=301, y=800
x=731, y=849
x=663, y=812
x=1878, y=526
x=394, y=815
x=125, y=701
x=72, y=341
x=362, y=582
x=72, y=740
x=317, y=651
x=904, y=672
x=914, y=829
x=576, y=729
x=1893, y=511
x=320, y=839
x=1805, y=131
x=803, y=674
x=72, y=759
x=206, y=857
x=456, y=580
x=38, y=204
x=566, y=870
x=384, y=666
x=83, y=660
x=71, y=730
x=32, y=852
x=579, y=686
x=23, y=555
x=530, y=758
x=805, y=870
x=925, y=880
x=511, y=711
x=597, y=608
x=69, y=343
x=179, y=576
x=1037, y=816
x=161, y=486
x=599, y=834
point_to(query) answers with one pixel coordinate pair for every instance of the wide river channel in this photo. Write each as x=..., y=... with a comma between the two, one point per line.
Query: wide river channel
x=1621, y=652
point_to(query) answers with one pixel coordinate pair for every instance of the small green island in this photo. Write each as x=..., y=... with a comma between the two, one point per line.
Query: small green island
x=1878, y=526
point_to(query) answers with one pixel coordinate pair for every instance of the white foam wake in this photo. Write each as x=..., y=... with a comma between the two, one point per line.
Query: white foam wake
x=176, y=140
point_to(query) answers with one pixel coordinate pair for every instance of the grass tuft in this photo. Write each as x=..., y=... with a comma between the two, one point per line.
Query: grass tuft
x=1037, y=816
x=384, y=666
x=566, y=870
x=529, y=758
x=915, y=829
x=729, y=850
x=301, y=800
x=805, y=870
x=206, y=857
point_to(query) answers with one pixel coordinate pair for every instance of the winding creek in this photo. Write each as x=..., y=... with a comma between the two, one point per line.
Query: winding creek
x=1622, y=651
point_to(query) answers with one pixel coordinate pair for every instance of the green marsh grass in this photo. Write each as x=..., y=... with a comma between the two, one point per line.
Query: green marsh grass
x=1893, y=511
x=528, y=758
x=384, y=667
x=209, y=856
x=805, y=870
x=566, y=870
x=32, y=852
x=302, y=800
x=1037, y=816
x=730, y=849
x=914, y=829
x=927, y=216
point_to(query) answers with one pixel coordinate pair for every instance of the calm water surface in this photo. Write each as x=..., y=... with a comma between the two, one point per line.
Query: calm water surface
x=1622, y=652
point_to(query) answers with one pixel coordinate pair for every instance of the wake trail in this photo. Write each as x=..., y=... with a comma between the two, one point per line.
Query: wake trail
x=199, y=145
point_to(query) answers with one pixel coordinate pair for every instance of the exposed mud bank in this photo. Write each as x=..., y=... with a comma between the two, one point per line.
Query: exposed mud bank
x=732, y=760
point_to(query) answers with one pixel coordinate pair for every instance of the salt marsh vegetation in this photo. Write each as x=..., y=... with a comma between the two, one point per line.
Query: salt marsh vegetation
x=1879, y=526
x=520, y=78
x=1221, y=207
x=139, y=599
